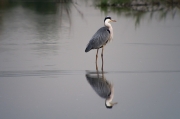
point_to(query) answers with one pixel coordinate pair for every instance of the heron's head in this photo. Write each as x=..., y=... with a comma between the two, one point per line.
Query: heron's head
x=108, y=102
x=108, y=19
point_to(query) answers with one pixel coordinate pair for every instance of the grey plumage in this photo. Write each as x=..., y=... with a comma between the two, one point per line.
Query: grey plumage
x=99, y=39
x=100, y=85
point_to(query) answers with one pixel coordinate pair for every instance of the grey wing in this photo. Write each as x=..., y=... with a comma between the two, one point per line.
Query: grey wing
x=99, y=39
x=101, y=86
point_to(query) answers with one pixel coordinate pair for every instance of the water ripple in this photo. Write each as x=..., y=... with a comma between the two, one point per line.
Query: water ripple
x=152, y=44
x=72, y=72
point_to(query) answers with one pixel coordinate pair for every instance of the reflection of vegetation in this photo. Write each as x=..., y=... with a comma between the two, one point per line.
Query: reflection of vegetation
x=43, y=8
x=5, y=4
x=138, y=9
x=48, y=22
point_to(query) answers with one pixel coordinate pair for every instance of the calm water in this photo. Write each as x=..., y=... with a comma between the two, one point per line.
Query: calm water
x=43, y=65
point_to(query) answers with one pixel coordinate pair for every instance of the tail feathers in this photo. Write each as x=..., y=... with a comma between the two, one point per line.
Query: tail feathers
x=88, y=48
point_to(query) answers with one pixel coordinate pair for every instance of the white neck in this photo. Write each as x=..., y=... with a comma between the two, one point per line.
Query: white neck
x=108, y=103
x=106, y=23
x=109, y=100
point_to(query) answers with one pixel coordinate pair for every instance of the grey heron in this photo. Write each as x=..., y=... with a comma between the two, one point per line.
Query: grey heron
x=101, y=37
x=102, y=87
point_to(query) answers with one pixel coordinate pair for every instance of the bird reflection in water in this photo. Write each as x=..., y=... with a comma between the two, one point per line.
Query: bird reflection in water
x=102, y=87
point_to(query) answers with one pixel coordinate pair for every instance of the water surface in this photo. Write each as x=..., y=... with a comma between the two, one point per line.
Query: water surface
x=43, y=65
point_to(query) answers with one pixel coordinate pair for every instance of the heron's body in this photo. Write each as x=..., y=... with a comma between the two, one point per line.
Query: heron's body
x=101, y=37
x=102, y=87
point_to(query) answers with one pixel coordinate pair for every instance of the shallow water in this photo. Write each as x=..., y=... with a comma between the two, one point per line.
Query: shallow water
x=43, y=65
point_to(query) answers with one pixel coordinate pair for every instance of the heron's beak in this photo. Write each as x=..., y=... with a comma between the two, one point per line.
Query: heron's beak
x=113, y=103
x=113, y=20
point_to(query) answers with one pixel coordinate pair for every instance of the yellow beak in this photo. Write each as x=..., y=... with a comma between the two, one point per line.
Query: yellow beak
x=113, y=103
x=113, y=20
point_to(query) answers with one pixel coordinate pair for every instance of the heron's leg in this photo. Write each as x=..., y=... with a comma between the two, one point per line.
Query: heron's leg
x=97, y=70
x=102, y=73
x=97, y=56
x=96, y=59
x=96, y=67
x=102, y=58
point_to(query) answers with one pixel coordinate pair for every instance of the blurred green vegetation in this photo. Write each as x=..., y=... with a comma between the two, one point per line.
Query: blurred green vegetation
x=134, y=2
x=39, y=6
x=138, y=9
x=60, y=8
